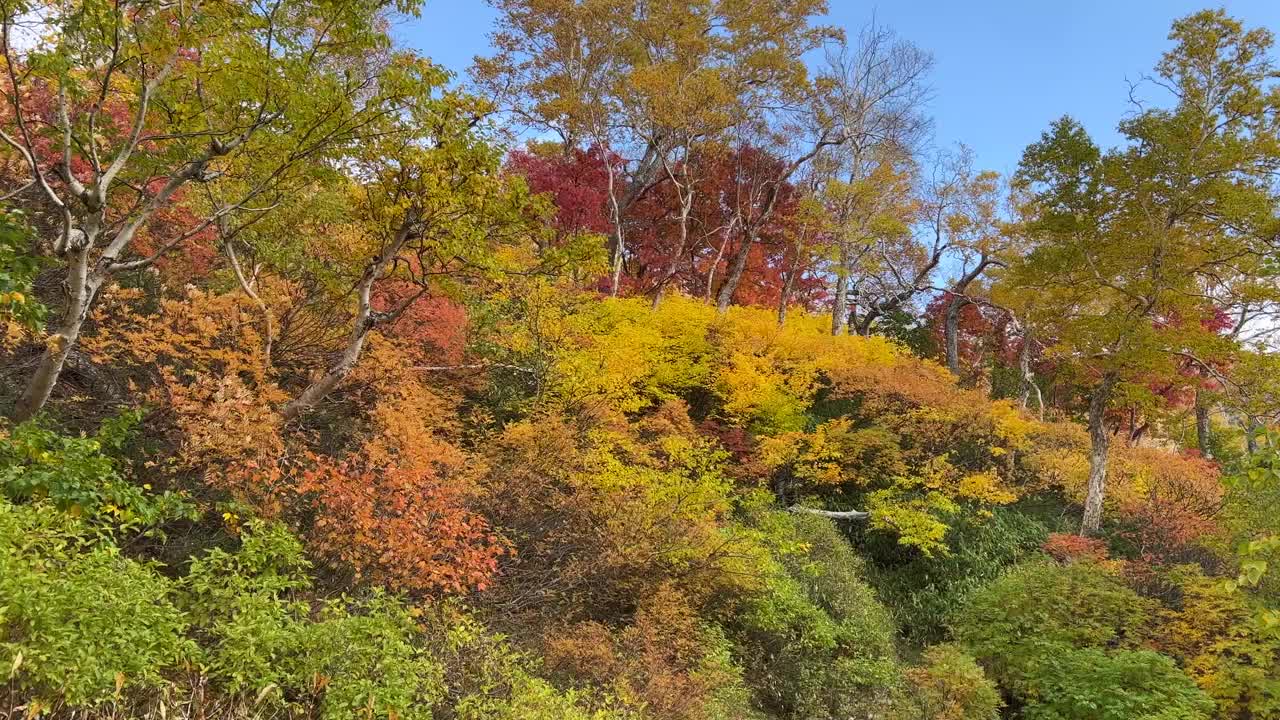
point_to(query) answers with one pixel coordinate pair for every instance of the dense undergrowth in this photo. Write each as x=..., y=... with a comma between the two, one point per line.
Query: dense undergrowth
x=322, y=401
x=610, y=539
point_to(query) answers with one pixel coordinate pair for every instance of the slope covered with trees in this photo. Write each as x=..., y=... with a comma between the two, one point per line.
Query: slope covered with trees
x=726, y=397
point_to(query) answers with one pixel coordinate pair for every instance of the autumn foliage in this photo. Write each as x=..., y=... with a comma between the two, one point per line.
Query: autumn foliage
x=731, y=403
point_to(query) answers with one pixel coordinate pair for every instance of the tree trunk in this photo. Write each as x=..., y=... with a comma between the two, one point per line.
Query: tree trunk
x=1203, y=429
x=784, y=297
x=1029, y=385
x=958, y=302
x=1099, y=445
x=686, y=209
x=84, y=283
x=1251, y=426
x=734, y=276
x=365, y=320
x=615, y=276
x=840, y=304
x=952, y=331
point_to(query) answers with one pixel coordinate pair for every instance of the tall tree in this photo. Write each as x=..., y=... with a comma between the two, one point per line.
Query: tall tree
x=1132, y=247
x=647, y=81
x=877, y=89
x=118, y=110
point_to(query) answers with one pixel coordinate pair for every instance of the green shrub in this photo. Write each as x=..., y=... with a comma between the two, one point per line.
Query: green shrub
x=815, y=643
x=950, y=685
x=364, y=661
x=18, y=271
x=1040, y=608
x=925, y=591
x=1092, y=684
x=1062, y=639
x=76, y=476
x=241, y=603
x=489, y=680
x=79, y=623
x=353, y=659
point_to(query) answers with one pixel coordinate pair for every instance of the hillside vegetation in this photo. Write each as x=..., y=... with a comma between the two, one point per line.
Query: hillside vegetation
x=322, y=402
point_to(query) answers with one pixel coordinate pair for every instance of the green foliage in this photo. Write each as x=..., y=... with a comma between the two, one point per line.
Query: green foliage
x=1063, y=640
x=1250, y=522
x=1092, y=684
x=80, y=623
x=814, y=642
x=241, y=601
x=18, y=269
x=488, y=679
x=352, y=657
x=78, y=477
x=364, y=659
x=924, y=591
x=1216, y=633
x=1039, y=608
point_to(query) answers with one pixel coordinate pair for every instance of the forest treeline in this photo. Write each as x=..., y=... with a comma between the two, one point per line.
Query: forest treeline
x=661, y=368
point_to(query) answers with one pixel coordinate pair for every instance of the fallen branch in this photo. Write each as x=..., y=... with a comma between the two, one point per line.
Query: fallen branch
x=474, y=366
x=832, y=514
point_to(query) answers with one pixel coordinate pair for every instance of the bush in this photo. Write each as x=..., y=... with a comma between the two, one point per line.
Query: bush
x=666, y=661
x=1221, y=640
x=1124, y=685
x=1062, y=640
x=79, y=623
x=488, y=680
x=814, y=642
x=1039, y=608
x=925, y=591
x=354, y=658
x=363, y=660
x=76, y=476
x=949, y=685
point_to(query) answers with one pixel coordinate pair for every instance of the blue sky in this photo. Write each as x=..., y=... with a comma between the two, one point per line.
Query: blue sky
x=1003, y=69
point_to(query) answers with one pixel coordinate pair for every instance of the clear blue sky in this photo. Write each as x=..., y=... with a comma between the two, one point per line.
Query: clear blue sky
x=1003, y=68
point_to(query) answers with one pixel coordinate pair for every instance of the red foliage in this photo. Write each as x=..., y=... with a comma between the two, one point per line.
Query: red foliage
x=405, y=527
x=432, y=329
x=1065, y=547
x=727, y=183
x=577, y=183
x=194, y=258
x=1178, y=507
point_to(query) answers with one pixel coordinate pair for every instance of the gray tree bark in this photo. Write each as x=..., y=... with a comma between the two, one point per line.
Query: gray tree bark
x=1099, y=447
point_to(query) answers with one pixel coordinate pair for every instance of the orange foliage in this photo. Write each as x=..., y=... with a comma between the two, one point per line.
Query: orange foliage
x=659, y=662
x=1065, y=547
x=210, y=380
x=405, y=527
x=394, y=510
x=1169, y=500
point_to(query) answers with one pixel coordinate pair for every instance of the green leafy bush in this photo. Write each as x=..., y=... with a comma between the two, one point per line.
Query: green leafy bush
x=79, y=623
x=18, y=269
x=1039, y=608
x=925, y=591
x=815, y=642
x=241, y=603
x=352, y=659
x=1064, y=641
x=363, y=660
x=1092, y=684
x=77, y=476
